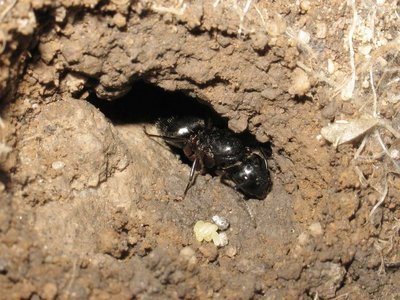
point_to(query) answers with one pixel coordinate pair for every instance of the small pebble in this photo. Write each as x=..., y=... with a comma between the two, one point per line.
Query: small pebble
x=221, y=240
x=260, y=41
x=50, y=291
x=300, y=83
x=316, y=229
x=304, y=36
x=209, y=251
x=321, y=31
x=60, y=14
x=132, y=240
x=231, y=252
x=4, y=265
x=395, y=154
x=57, y=165
x=331, y=66
x=187, y=253
x=221, y=222
x=238, y=125
x=365, y=50
x=303, y=239
x=276, y=26
x=305, y=5
x=119, y=20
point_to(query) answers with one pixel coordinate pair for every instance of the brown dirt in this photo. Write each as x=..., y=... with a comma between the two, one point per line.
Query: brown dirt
x=90, y=206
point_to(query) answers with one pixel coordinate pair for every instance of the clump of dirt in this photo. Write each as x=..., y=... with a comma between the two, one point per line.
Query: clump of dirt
x=91, y=207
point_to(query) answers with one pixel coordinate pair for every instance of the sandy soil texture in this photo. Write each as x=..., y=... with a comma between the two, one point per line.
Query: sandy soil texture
x=92, y=208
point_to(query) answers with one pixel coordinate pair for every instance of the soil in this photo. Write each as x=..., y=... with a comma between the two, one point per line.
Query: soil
x=92, y=208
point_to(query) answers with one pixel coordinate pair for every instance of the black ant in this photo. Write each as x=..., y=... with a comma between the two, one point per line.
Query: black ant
x=219, y=150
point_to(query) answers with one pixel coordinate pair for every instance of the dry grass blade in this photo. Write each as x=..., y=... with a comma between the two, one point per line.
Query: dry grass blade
x=2, y=34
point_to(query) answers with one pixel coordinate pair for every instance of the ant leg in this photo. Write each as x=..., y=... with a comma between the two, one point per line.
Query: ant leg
x=191, y=177
x=248, y=210
x=266, y=154
x=229, y=183
x=224, y=179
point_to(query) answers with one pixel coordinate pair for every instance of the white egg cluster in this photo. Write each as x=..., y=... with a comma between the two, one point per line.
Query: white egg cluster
x=206, y=231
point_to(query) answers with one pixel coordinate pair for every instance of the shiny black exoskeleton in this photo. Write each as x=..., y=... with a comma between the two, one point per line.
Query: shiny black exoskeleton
x=217, y=150
x=251, y=176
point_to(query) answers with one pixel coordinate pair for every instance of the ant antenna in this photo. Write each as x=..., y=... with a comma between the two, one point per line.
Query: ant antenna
x=249, y=212
x=165, y=137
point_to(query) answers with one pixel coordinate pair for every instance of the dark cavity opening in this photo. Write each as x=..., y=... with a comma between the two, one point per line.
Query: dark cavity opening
x=146, y=103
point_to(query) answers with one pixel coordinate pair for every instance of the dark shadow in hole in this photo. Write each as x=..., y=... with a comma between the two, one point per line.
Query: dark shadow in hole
x=146, y=103
x=302, y=99
x=5, y=178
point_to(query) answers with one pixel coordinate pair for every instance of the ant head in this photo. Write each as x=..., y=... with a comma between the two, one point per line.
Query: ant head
x=252, y=177
x=176, y=130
